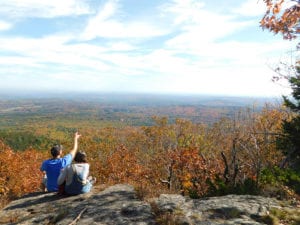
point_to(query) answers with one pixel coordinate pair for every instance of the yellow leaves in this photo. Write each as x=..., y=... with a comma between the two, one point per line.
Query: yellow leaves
x=186, y=181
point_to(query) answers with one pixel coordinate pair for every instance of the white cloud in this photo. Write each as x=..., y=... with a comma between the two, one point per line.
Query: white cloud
x=17, y=61
x=185, y=11
x=115, y=29
x=251, y=8
x=182, y=49
x=45, y=9
x=251, y=81
x=197, y=24
x=121, y=46
x=53, y=50
x=5, y=25
x=257, y=8
x=108, y=24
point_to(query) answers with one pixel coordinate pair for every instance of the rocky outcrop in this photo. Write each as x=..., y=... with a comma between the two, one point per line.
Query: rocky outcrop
x=114, y=205
x=230, y=209
x=119, y=205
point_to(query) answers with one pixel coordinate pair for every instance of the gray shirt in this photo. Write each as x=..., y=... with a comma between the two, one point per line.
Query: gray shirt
x=66, y=174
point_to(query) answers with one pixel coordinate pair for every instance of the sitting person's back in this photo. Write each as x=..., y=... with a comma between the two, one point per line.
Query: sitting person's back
x=52, y=167
x=76, y=176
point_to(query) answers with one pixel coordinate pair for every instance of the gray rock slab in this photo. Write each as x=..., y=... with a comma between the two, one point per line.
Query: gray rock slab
x=230, y=209
x=118, y=205
x=115, y=205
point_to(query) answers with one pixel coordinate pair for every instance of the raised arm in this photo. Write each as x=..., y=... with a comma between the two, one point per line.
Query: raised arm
x=75, y=148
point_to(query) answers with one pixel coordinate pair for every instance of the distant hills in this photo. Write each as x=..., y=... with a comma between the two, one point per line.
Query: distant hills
x=126, y=109
x=137, y=98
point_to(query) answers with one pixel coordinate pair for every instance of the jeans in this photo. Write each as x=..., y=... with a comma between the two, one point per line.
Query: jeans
x=87, y=188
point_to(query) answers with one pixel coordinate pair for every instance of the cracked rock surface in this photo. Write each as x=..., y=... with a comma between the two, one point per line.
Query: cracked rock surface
x=118, y=205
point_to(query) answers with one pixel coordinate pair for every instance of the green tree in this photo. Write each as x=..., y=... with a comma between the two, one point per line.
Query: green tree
x=282, y=16
x=290, y=141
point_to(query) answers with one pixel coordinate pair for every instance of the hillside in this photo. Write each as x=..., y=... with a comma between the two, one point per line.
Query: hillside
x=236, y=154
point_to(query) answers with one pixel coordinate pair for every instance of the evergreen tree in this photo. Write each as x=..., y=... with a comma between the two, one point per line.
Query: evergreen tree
x=290, y=142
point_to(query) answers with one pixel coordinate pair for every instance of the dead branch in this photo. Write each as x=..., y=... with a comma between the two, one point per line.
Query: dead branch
x=78, y=217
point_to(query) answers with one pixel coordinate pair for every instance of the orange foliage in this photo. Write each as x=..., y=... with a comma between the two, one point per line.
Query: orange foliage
x=182, y=155
x=19, y=172
x=123, y=166
x=191, y=170
x=281, y=20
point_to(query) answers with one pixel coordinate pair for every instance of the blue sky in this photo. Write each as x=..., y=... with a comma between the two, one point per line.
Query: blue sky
x=140, y=46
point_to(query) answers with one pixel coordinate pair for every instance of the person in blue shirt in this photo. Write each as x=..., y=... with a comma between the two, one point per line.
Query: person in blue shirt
x=52, y=167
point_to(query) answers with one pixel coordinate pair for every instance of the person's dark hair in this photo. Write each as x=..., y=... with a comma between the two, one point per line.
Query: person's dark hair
x=55, y=150
x=80, y=157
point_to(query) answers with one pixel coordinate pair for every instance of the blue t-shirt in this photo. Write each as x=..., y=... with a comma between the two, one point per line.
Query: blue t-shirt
x=52, y=167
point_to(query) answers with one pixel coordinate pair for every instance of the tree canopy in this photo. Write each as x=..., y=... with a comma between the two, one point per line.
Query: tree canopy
x=282, y=16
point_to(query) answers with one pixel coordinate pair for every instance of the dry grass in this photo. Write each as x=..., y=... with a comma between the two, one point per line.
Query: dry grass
x=167, y=218
x=3, y=201
x=290, y=216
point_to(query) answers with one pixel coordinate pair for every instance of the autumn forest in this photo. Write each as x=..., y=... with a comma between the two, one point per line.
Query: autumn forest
x=196, y=146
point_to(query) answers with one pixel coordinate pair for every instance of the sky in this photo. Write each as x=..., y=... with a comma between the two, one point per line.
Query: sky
x=139, y=46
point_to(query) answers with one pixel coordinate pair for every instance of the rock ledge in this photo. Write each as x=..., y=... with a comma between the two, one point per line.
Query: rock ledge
x=118, y=205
